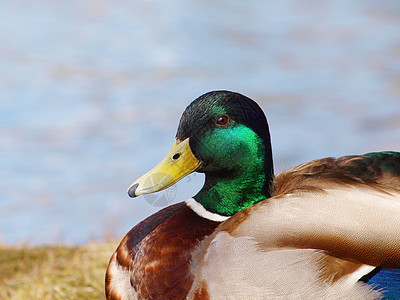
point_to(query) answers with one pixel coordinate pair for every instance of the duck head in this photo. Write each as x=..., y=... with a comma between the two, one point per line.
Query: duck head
x=224, y=135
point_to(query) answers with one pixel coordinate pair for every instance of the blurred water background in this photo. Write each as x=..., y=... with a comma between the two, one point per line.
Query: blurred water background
x=91, y=93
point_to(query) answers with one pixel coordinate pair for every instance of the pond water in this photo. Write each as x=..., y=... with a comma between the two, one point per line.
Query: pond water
x=92, y=92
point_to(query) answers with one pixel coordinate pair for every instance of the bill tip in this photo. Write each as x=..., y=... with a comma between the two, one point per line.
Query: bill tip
x=132, y=190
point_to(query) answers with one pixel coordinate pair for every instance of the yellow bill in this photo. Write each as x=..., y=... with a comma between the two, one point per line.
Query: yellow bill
x=178, y=163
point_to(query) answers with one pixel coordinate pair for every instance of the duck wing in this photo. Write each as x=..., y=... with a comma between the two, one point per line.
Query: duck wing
x=329, y=223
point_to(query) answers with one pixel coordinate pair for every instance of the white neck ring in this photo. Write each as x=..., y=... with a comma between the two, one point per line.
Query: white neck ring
x=202, y=212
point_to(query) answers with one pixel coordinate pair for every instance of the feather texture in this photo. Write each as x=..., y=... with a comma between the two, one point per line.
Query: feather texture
x=310, y=232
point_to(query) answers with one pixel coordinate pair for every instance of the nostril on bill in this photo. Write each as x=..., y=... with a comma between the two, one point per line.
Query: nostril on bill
x=176, y=156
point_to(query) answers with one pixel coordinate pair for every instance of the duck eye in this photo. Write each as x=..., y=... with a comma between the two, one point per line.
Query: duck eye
x=223, y=120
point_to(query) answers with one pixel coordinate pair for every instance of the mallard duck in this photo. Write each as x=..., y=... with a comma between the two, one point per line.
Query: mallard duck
x=315, y=231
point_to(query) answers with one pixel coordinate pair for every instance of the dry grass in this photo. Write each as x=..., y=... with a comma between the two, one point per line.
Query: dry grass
x=54, y=272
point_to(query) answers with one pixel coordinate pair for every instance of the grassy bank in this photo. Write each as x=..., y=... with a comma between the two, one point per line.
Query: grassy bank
x=54, y=272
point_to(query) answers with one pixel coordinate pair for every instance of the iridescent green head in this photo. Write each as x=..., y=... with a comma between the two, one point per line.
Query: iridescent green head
x=228, y=139
x=229, y=134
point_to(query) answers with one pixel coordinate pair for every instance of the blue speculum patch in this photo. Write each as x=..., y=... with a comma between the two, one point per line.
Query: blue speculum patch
x=389, y=281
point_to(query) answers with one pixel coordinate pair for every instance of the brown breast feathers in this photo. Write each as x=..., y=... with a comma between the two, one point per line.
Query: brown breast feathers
x=158, y=252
